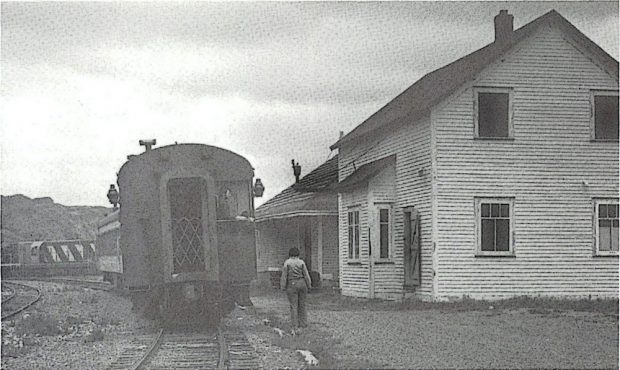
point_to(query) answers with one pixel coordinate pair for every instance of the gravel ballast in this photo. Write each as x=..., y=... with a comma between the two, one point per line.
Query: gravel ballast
x=71, y=327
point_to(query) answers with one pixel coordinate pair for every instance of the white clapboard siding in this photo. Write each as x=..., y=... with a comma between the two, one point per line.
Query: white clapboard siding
x=275, y=237
x=411, y=144
x=543, y=168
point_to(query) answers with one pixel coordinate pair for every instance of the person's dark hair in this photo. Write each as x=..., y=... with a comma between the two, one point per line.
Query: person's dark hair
x=293, y=252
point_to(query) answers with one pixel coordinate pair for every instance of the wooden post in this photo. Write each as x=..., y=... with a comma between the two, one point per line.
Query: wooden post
x=320, y=246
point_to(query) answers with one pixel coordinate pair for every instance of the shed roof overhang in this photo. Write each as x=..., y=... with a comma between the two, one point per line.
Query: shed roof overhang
x=362, y=175
x=299, y=213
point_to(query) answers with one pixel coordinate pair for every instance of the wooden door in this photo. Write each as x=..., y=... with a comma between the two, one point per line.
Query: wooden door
x=307, y=238
x=412, y=247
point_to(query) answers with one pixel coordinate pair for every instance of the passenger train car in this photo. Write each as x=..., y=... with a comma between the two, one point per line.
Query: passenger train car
x=48, y=258
x=184, y=234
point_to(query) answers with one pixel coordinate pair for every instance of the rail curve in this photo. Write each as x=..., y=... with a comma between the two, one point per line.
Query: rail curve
x=24, y=296
x=10, y=293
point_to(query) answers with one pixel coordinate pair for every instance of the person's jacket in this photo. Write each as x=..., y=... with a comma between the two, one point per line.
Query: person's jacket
x=294, y=268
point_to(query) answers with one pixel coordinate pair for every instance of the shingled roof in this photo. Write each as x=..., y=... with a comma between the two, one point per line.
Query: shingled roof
x=417, y=100
x=307, y=197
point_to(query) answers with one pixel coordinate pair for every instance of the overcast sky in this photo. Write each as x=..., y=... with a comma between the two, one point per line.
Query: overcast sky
x=83, y=82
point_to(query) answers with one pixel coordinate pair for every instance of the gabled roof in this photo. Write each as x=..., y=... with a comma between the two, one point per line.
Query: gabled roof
x=417, y=100
x=307, y=197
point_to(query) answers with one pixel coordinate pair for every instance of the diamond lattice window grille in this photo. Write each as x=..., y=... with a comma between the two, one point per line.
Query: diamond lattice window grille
x=187, y=244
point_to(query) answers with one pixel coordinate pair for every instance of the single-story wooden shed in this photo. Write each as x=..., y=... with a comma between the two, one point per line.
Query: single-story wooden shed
x=304, y=215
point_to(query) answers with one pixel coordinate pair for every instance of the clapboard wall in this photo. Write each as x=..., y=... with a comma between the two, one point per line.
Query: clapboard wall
x=544, y=168
x=411, y=186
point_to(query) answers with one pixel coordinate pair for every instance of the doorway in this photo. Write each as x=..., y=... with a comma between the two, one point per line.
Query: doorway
x=412, y=247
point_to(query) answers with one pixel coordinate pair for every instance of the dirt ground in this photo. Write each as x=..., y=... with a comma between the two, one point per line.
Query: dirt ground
x=520, y=333
x=77, y=328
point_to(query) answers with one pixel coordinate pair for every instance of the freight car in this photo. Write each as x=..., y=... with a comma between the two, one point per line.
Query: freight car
x=183, y=238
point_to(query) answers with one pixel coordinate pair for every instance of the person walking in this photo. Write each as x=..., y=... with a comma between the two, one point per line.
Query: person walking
x=296, y=281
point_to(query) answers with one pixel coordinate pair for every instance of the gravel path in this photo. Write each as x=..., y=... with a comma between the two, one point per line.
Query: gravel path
x=519, y=338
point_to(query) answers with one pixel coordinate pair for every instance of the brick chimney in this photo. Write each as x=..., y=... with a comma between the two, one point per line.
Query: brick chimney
x=503, y=27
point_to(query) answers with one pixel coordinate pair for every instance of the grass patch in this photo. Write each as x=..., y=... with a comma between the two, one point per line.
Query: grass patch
x=312, y=339
x=336, y=302
x=38, y=323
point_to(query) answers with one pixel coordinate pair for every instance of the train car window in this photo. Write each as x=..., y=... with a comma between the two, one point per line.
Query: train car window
x=227, y=205
x=186, y=197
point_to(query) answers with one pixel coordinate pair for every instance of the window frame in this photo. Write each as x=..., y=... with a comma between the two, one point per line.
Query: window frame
x=390, y=229
x=593, y=95
x=351, y=248
x=495, y=90
x=595, y=225
x=478, y=201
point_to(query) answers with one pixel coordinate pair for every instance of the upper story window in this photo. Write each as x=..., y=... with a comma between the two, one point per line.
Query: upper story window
x=493, y=112
x=604, y=124
x=606, y=226
x=353, y=219
x=494, y=224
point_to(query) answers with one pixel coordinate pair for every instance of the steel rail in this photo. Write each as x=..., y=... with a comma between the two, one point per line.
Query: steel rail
x=10, y=296
x=140, y=363
x=84, y=283
x=25, y=306
x=222, y=362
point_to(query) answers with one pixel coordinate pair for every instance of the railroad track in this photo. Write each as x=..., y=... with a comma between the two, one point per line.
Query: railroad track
x=97, y=285
x=221, y=349
x=8, y=293
x=23, y=297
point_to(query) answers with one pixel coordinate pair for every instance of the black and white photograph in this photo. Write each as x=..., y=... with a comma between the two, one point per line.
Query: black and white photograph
x=309, y=185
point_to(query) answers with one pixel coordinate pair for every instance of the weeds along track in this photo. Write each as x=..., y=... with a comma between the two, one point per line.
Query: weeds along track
x=23, y=297
x=208, y=349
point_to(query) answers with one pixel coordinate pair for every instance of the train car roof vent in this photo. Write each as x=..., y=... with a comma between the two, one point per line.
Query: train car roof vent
x=147, y=144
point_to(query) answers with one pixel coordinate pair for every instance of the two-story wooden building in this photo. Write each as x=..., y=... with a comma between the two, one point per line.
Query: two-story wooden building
x=491, y=177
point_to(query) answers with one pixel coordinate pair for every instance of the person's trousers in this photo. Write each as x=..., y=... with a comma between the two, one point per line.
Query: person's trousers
x=296, y=292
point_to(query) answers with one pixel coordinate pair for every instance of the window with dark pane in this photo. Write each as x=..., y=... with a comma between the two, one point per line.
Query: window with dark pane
x=384, y=233
x=495, y=227
x=608, y=227
x=350, y=227
x=357, y=234
x=493, y=114
x=185, y=196
x=354, y=240
x=606, y=117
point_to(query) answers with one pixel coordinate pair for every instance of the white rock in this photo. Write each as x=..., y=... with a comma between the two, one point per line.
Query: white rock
x=279, y=331
x=308, y=357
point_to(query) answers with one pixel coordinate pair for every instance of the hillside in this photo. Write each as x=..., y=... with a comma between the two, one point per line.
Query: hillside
x=26, y=219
